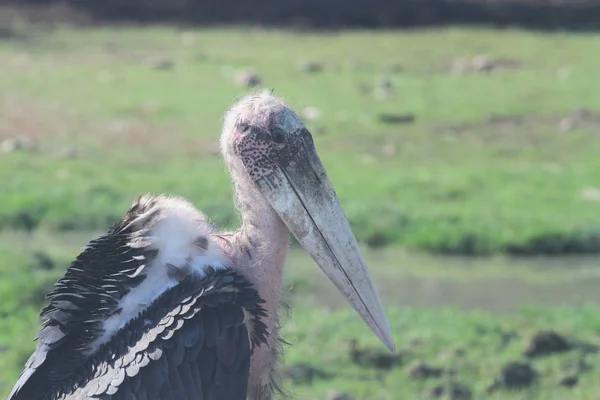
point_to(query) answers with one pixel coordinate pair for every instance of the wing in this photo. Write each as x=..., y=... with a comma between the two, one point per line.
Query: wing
x=148, y=310
x=194, y=342
x=76, y=311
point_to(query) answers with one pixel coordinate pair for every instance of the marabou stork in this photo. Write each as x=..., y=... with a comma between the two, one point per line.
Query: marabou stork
x=162, y=307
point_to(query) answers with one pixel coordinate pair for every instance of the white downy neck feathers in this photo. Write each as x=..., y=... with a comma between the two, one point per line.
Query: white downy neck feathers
x=181, y=235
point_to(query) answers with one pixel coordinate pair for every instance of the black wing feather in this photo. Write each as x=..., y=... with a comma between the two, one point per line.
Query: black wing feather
x=192, y=343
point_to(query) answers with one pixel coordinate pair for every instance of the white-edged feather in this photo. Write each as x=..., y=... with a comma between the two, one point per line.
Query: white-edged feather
x=178, y=231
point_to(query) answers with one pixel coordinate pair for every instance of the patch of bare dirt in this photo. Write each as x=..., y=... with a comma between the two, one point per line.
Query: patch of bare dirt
x=482, y=64
x=46, y=127
x=522, y=130
x=166, y=139
x=24, y=120
x=580, y=118
x=30, y=125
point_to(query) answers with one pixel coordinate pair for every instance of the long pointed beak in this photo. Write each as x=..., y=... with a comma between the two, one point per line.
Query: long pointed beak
x=303, y=196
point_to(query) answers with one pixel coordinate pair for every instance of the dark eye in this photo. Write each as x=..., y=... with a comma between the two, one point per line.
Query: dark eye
x=278, y=136
x=245, y=127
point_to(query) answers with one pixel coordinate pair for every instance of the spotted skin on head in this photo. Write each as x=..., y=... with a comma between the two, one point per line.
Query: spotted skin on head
x=261, y=132
x=256, y=149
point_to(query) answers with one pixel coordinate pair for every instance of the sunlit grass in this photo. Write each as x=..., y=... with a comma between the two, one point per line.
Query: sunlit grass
x=110, y=126
x=437, y=185
x=420, y=294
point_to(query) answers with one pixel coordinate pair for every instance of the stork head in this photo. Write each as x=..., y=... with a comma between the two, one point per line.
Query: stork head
x=268, y=144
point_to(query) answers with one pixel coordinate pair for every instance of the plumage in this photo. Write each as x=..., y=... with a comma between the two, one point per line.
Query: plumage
x=162, y=348
x=181, y=326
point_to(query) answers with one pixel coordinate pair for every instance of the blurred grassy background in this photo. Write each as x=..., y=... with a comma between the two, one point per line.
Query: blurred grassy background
x=472, y=154
x=463, y=142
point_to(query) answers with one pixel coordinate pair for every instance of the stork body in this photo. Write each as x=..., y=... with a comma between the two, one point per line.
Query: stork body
x=163, y=307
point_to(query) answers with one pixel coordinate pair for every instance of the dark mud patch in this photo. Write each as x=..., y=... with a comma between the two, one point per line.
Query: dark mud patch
x=546, y=343
x=515, y=375
x=304, y=374
x=339, y=396
x=569, y=381
x=453, y=390
x=422, y=371
x=371, y=358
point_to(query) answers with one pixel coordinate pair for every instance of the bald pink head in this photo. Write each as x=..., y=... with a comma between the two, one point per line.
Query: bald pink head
x=260, y=131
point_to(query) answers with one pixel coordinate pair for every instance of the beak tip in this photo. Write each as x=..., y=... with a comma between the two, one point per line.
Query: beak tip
x=391, y=346
x=381, y=327
x=388, y=339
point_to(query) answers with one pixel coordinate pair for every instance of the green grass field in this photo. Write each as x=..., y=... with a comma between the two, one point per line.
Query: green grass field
x=484, y=168
x=467, y=344
x=500, y=158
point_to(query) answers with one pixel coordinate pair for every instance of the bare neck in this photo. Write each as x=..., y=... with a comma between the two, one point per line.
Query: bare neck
x=265, y=238
x=264, y=234
x=258, y=251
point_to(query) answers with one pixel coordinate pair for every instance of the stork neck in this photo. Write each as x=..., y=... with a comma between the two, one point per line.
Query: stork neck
x=264, y=231
x=262, y=243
